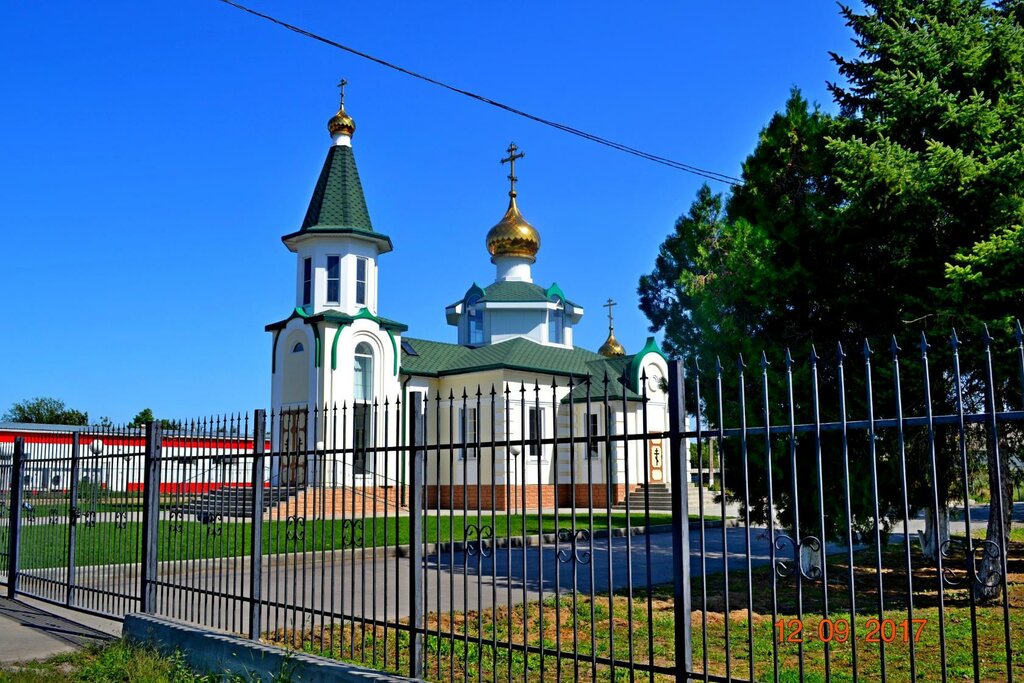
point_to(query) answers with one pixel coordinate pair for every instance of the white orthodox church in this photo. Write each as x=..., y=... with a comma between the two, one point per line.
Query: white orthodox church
x=337, y=349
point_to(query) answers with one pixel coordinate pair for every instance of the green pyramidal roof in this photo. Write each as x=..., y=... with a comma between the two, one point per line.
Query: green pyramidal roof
x=338, y=205
x=338, y=200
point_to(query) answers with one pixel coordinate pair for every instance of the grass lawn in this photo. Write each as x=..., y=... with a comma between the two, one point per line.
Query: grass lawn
x=45, y=545
x=605, y=621
x=113, y=663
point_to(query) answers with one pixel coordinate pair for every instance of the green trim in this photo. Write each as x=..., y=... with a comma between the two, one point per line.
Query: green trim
x=333, y=316
x=650, y=346
x=318, y=348
x=280, y=324
x=394, y=349
x=555, y=289
x=334, y=347
x=273, y=353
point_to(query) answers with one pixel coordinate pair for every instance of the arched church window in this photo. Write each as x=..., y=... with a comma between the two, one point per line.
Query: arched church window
x=475, y=318
x=362, y=415
x=556, y=322
x=363, y=378
x=298, y=348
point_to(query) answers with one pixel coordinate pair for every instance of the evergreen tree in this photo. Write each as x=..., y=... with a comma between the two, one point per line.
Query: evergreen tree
x=901, y=214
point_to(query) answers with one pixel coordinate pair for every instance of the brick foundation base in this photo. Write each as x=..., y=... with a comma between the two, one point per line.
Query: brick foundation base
x=348, y=502
x=471, y=497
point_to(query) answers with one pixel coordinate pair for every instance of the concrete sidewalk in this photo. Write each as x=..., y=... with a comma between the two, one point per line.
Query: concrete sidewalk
x=30, y=630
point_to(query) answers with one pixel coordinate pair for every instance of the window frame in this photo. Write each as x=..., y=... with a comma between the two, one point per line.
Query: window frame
x=307, y=281
x=535, y=432
x=474, y=321
x=593, y=445
x=362, y=294
x=336, y=280
x=469, y=437
x=556, y=322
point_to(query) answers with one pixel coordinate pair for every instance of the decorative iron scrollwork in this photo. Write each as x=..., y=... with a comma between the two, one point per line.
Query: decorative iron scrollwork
x=54, y=517
x=476, y=540
x=351, y=533
x=177, y=518
x=957, y=549
x=295, y=528
x=120, y=520
x=90, y=518
x=573, y=552
x=785, y=570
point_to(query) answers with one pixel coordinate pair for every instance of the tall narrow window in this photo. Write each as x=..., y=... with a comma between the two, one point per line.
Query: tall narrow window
x=361, y=281
x=307, y=281
x=475, y=318
x=535, y=431
x=468, y=431
x=556, y=323
x=592, y=434
x=333, y=279
x=362, y=410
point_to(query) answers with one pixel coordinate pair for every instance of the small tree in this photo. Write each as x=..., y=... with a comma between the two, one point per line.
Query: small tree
x=141, y=418
x=45, y=410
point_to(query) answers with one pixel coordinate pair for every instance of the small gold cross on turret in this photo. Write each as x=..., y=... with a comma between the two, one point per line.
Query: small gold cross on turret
x=341, y=86
x=511, y=161
x=609, y=306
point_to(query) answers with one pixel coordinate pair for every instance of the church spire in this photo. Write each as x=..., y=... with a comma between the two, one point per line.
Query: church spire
x=611, y=346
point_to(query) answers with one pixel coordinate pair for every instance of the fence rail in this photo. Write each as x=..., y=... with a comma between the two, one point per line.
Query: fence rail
x=565, y=530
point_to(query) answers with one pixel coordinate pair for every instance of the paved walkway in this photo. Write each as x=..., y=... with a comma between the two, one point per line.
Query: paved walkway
x=31, y=630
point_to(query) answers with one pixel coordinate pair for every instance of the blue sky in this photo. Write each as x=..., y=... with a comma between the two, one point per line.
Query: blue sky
x=154, y=153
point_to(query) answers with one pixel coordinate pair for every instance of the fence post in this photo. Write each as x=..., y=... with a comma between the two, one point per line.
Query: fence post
x=418, y=474
x=150, y=516
x=681, y=515
x=76, y=452
x=259, y=448
x=14, y=519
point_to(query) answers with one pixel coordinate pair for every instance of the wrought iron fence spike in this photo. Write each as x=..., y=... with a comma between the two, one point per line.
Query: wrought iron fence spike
x=764, y=361
x=740, y=364
x=954, y=341
x=788, y=359
x=924, y=344
x=986, y=338
x=894, y=347
x=718, y=365
x=814, y=357
x=840, y=354
x=1018, y=334
x=866, y=350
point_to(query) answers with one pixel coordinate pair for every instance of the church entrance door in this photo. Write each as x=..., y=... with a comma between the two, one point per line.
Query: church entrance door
x=293, y=447
x=656, y=461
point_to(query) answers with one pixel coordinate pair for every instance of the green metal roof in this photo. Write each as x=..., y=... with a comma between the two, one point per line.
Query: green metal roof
x=436, y=359
x=516, y=291
x=338, y=197
x=338, y=205
x=333, y=316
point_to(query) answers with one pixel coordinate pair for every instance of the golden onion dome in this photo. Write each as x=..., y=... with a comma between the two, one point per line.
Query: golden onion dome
x=341, y=123
x=513, y=236
x=611, y=347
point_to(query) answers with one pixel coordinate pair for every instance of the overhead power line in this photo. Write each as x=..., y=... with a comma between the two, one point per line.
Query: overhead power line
x=671, y=163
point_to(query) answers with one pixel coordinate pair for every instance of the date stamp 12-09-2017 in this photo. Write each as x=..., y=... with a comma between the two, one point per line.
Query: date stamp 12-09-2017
x=840, y=630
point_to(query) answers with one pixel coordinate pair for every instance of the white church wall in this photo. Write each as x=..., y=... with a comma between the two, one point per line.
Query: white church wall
x=511, y=324
x=349, y=249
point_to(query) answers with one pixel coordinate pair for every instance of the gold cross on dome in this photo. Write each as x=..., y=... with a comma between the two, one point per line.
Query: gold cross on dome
x=511, y=161
x=609, y=306
x=341, y=86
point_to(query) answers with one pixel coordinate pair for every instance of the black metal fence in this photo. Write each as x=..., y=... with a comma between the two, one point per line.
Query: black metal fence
x=572, y=529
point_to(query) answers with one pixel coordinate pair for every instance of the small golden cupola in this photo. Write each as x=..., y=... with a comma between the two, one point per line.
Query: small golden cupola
x=513, y=236
x=341, y=123
x=611, y=347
